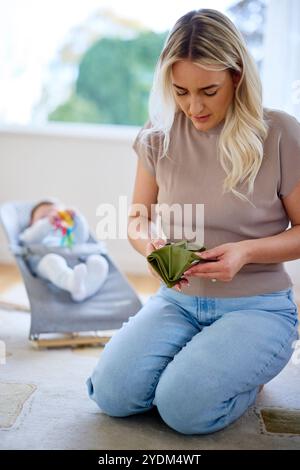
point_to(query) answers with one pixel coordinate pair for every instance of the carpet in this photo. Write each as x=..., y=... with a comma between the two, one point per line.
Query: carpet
x=44, y=405
x=12, y=398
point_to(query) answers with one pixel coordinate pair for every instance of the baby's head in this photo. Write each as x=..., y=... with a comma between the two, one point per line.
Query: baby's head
x=41, y=210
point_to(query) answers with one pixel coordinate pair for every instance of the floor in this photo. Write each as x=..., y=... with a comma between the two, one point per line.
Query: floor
x=44, y=405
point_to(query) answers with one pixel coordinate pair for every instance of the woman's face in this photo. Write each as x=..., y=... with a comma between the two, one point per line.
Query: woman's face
x=201, y=92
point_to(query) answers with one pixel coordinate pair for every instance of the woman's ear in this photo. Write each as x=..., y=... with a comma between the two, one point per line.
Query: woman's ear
x=236, y=76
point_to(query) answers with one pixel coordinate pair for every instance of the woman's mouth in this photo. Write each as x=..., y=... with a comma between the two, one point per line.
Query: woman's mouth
x=201, y=118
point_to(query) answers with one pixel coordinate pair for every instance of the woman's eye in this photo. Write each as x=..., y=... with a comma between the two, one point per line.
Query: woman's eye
x=207, y=94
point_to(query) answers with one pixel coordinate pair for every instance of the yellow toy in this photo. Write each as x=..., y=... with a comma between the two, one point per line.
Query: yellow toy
x=65, y=222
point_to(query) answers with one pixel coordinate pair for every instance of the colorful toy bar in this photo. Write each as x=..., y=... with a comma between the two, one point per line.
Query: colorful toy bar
x=65, y=223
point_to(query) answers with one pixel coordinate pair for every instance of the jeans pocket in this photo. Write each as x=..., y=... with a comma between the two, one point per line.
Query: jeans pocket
x=291, y=297
x=280, y=303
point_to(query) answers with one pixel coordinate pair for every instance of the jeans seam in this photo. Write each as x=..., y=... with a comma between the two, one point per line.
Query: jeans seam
x=156, y=380
x=283, y=346
x=292, y=299
x=277, y=293
x=228, y=418
x=181, y=306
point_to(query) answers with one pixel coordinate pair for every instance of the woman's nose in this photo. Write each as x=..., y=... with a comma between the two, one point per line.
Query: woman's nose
x=196, y=106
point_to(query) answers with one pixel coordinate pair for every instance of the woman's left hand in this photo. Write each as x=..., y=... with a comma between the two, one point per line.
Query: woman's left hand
x=226, y=261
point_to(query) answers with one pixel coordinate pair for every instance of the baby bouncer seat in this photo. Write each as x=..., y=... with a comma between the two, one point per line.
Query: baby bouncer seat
x=52, y=310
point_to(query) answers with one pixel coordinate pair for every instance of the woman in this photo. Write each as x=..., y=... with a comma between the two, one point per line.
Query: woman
x=201, y=355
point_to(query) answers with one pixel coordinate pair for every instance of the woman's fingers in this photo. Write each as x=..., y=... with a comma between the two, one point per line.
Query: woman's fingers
x=158, y=243
x=154, y=244
x=183, y=282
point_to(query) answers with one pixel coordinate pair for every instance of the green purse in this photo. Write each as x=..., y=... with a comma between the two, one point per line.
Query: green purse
x=173, y=259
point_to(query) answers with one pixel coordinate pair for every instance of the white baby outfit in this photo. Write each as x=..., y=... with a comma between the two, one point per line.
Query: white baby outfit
x=82, y=281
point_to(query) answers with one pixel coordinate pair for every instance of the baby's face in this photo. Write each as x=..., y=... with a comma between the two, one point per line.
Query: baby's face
x=44, y=211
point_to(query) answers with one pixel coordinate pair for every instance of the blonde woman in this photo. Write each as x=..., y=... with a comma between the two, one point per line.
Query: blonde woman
x=200, y=352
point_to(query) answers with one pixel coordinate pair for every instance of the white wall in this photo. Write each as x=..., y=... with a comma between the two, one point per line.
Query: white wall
x=82, y=165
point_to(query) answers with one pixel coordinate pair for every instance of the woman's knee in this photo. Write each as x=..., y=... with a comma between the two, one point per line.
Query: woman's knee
x=196, y=410
x=107, y=401
x=176, y=410
x=118, y=389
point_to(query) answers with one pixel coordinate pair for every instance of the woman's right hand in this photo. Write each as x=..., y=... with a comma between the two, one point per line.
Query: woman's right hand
x=154, y=244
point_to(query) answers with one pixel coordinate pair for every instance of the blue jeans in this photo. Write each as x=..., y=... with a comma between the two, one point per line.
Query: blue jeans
x=199, y=360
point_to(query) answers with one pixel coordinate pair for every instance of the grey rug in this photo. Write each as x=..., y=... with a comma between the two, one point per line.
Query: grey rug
x=44, y=405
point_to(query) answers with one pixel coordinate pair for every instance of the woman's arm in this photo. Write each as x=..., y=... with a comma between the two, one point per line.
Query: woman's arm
x=282, y=247
x=276, y=249
x=229, y=258
x=144, y=194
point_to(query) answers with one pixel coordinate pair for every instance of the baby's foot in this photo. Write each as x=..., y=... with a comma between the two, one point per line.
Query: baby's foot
x=97, y=271
x=78, y=289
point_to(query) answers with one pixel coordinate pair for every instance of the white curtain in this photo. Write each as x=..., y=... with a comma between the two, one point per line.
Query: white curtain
x=281, y=64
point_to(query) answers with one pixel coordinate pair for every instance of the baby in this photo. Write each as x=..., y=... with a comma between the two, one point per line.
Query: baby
x=85, y=279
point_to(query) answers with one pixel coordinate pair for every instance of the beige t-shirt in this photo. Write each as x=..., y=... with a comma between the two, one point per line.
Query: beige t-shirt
x=191, y=173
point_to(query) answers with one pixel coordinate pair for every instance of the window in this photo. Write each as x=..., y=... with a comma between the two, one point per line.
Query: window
x=81, y=62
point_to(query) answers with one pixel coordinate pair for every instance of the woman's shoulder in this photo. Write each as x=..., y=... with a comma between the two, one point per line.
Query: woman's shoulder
x=287, y=142
x=280, y=120
x=150, y=135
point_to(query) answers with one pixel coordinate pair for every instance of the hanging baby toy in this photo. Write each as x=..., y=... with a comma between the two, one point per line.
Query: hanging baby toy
x=64, y=221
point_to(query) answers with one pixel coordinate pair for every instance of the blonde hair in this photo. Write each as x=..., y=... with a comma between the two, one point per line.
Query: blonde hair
x=207, y=37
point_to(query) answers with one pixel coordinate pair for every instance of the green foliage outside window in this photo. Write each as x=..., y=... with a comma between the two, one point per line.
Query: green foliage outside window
x=114, y=81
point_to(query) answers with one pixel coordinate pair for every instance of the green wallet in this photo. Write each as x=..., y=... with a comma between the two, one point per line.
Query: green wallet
x=173, y=259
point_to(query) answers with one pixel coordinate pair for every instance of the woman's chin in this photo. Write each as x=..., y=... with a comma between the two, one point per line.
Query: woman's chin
x=202, y=126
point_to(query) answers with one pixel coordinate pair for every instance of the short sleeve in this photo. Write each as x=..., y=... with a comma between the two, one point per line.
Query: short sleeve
x=148, y=149
x=289, y=149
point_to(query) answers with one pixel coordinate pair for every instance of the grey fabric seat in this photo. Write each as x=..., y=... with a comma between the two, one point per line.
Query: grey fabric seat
x=52, y=309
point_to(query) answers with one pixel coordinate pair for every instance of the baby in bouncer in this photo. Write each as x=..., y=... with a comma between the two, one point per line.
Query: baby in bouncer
x=51, y=224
